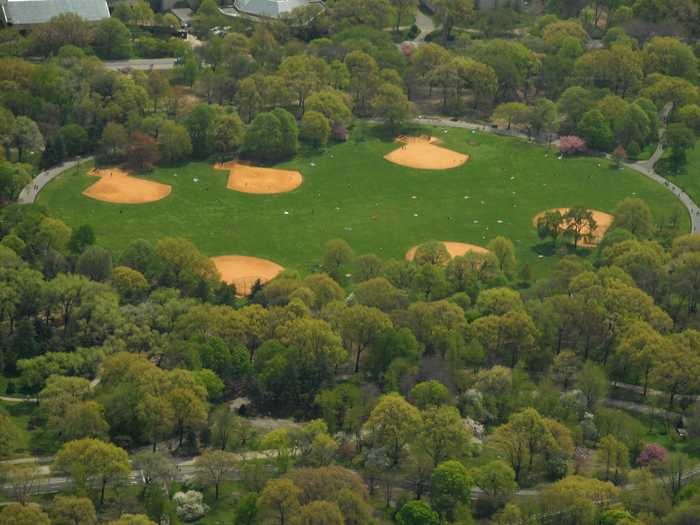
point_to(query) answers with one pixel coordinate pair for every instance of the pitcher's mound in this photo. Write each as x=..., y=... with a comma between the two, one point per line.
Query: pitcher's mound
x=423, y=153
x=117, y=186
x=243, y=271
x=253, y=179
x=455, y=249
x=603, y=221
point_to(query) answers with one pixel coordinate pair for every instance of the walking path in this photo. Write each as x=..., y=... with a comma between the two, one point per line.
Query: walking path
x=31, y=190
x=426, y=26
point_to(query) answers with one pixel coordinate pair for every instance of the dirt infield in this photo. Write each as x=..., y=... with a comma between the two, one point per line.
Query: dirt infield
x=423, y=153
x=253, y=179
x=455, y=249
x=118, y=187
x=602, y=219
x=244, y=271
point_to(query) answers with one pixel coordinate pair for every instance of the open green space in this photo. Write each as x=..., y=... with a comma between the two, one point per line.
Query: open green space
x=351, y=192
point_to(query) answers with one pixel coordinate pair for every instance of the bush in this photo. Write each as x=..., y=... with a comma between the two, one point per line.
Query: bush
x=190, y=505
x=315, y=129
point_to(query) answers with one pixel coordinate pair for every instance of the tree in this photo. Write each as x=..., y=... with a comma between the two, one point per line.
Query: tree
x=431, y=252
x=580, y=495
x=391, y=104
x=263, y=137
x=543, y=118
x=90, y=461
x=114, y=141
x=360, y=327
x=417, y=512
x=157, y=470
x=75, y=139
x=214, y=467
x=142, y=151
x=16, y=514
x=430, y=394
x=9, y=435
x=551, y=225
x=131, y=285
x=174, y=144
x=73, y=510
x=289, y=140
x=337, y=258
x=571, y=144
x=133, y=519
x=303, y=74
x=441, y=434
x=512, y=113
x=452, y=13
x=690, y=116
x=158, y=418
x=593, y=383
x=278, y=501
x=580, y=224
x=27, y=137
x=112, y=39
x=450, y=488
x=315, y=129
x=331, y=103
x=200, y=126
x=81, y=237
x=595, y=130
x=497, y=480
x=679, y=137
x=669, y=56
x=676, y=370
x=319, y=513
x=614, y=456
x=95, y=263
x=504, y=250
x=391, y=425
x=525, y=437
x=228, y=134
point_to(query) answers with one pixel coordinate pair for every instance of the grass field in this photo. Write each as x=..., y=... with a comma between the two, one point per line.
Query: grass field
x=351, y=192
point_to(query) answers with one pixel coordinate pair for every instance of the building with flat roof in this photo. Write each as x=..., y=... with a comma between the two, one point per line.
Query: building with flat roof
x=27, y=13
x=270, y=8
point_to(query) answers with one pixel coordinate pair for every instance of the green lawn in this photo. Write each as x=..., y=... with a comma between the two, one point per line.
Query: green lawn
x=351, y=192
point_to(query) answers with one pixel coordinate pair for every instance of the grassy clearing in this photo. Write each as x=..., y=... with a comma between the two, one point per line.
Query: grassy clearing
x=351, y=192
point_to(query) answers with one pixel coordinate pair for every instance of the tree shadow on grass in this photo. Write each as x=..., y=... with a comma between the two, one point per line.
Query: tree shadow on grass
x=548, y=249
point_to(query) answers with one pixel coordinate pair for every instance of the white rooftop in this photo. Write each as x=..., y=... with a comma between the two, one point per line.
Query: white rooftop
x=29, y=12
x=269, y=8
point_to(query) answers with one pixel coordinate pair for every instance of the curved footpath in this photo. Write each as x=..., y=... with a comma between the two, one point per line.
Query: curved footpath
x=646, y=168
x=31, y=190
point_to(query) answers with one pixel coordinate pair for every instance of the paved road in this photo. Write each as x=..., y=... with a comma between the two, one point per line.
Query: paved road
x=426, y=26
x=9, y=399
x=141, y=63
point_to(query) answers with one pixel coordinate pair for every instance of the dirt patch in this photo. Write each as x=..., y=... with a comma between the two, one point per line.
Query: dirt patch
x=603, y=221
x=455, y=249
x=423, y=153
x=254, y=179
x=244, y=271
x=118, y=187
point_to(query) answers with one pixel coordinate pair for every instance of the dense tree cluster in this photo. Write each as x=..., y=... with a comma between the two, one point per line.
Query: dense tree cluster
x=440, y=390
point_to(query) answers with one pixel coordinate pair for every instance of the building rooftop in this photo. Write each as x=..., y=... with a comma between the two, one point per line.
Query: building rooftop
x=269, y=8
x=30, y=12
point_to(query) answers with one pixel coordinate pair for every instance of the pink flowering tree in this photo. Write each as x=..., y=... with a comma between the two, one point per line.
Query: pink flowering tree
x=570, y=144
x=653, y=455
